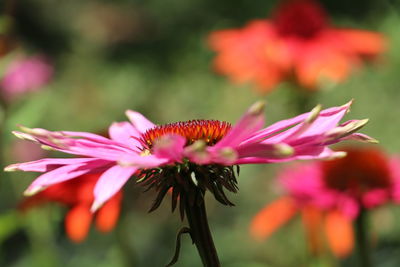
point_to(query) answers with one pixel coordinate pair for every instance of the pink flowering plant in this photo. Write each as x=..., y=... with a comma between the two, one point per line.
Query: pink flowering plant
x=334, y=195
x=26, y=74
x=187, y=158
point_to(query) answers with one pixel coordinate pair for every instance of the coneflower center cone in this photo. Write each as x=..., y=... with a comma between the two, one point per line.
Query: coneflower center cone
x=303, y=19
x=361, y=171
x=210, y=131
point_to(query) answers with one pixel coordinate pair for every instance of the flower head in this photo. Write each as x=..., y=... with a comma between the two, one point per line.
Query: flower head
x=77, y=195
x=197, y=154
x=26, y=75
x=297, y=39
x=335, y=192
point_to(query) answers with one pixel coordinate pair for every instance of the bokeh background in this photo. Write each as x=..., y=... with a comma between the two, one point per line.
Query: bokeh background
x=151, y=56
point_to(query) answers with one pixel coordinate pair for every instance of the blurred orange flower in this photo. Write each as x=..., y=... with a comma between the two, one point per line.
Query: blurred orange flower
x=330, y=195
x=77, y=195
x=297, y=40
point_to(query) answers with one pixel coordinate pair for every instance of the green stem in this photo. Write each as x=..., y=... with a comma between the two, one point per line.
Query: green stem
x=200, y=232
x=362, y=240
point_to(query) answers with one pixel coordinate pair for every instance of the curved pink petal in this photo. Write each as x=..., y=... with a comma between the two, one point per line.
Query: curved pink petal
x=318, y=127
x=91, y=145
x=317, y=152
x=348, y=206
x=140, y=122
x=394, y=166
x=65, y=173
x=44, y=165
x=251, y=122
x=148, y=161
x=89, y=136
x=170, y=147
x=198, y=153
x=88, y=149
x=278, y=150
x=359, y=137
x=224, y=156
x=125, y=133
x=285, y=155
x=284, y=125
x=109, y=183
x=375, y=197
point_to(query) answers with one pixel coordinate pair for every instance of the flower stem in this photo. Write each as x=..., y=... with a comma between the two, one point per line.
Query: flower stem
x=200, y=232
x=362, y=240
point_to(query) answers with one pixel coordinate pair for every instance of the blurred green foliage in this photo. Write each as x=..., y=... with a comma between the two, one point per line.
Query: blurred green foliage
x=151, y=56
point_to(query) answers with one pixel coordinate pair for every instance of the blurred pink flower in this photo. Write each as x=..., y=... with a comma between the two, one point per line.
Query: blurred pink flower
x=26, y=75
x=335, y=192
x=199, y=149
x=297, y=41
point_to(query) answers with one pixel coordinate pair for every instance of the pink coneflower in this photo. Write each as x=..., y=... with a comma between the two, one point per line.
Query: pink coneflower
x=190, y=157
x=298, y=40
x=26, y=75
x=77, y=195
x=330, y=195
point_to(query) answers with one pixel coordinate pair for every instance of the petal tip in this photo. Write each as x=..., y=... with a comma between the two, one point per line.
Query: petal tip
x=314, y=113
x=283, y=150
x=33, y=190
x=95, y=206
x=372, y=140
x=348, y=105
x=24, y=136
x=33, y=131
x=228, y=155
x=48, y=148
x=337, y=155
x=197, y=146
x=11, y=168
x=257, y=108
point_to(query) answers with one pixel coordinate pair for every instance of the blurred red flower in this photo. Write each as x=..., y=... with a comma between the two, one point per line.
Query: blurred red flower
x=298, y=40
x=329, y=195
x=77, y=195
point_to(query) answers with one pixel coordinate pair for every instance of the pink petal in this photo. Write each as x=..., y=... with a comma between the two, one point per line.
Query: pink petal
x=359, y=137
x=125, y=133
x=90, y=149
x=317, y=152
x=44, y=165
x=43, y=134
x=140, y=122
x=375, y=197
x=303, y=153
x=251, y=122
x=348, y=206
x=265, y=150
x=286, y=124
x=170, y=147
x=149, y=161
x=394, y=165
x=321, y=125
x=198, y=153
x=65, y=173
x=224, y=156
x=89, y=136
x=109, y=183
